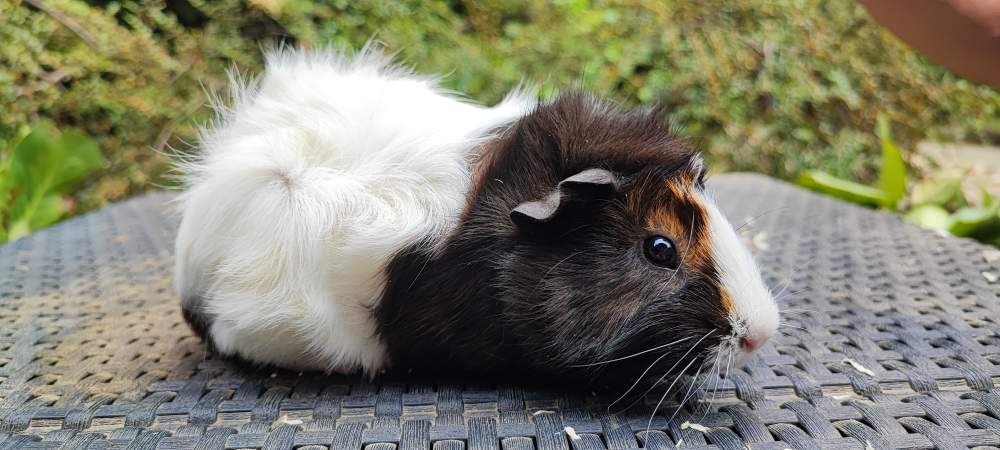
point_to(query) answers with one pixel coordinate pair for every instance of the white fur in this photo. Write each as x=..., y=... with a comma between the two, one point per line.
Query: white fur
x=307, y=183
x=754, y=313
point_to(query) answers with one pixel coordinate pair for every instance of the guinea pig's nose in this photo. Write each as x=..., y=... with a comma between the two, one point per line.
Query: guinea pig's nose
x=751, y=343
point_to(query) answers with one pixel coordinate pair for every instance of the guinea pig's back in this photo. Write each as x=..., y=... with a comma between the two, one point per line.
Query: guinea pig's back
x=305, y=186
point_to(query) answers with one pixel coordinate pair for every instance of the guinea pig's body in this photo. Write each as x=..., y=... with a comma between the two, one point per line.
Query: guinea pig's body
x=347, y=215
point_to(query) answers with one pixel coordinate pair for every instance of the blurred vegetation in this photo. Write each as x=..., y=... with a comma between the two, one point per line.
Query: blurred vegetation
x=891, y=180
x=936, y=202
x=775, y=86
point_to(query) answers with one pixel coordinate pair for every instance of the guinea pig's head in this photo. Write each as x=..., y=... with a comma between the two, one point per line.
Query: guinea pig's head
x=622, y=266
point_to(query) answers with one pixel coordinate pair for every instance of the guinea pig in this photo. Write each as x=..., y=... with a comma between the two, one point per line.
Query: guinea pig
x=344, y=214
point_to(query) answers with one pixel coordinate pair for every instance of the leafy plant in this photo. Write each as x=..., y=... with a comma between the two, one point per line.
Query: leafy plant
x=42, y=171
x=937, y=203
x=820, y=181
x=892, y=177
x=953, y=213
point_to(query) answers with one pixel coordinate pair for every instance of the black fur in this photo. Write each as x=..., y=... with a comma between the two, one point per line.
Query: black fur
x=196, y=318
x=199, y=320
x=499, y=299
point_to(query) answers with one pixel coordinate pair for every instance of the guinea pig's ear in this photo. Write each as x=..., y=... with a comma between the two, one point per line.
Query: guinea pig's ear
x=572, y=192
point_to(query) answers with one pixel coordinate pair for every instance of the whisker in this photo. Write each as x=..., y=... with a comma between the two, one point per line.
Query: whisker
x=687, y=395
x=634, y=354
x=664, y=397
x=718, y=373
x=653, y=386
x=791, y=294
x=729, y=362
x=791, y=274
x=715, y=389
x=788, y=282
x=715, y=394
x=758, y=216
x=636, y=383
x=786, y=321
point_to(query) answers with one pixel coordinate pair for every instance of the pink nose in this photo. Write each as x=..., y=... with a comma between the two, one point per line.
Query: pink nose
x=749, y=344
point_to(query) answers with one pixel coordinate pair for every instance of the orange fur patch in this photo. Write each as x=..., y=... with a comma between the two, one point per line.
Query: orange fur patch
x=673, y=210
x=727, y=301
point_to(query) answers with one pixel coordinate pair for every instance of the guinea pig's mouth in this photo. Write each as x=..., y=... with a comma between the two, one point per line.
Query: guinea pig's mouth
x=730, y=354
x=720, y=359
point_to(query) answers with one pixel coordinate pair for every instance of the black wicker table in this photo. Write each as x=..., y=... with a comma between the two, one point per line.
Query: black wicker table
x=893, y=341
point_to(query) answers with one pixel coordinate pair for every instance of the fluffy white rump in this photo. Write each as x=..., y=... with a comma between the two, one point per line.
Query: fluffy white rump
x=310, y=179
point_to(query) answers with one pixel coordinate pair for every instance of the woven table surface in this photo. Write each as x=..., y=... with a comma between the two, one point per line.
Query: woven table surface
x=893, y=341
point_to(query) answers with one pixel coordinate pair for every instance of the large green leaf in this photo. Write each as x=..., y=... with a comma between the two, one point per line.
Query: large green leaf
x=78, y=156
x=892, y=179
x=31, y=157
x=842, y=189
x=48, y=210
x=30, y=176
x=6, y=185
x=44, y=166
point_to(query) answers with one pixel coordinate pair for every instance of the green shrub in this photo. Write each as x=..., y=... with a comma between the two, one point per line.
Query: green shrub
x=130, y=76
x=775, y=86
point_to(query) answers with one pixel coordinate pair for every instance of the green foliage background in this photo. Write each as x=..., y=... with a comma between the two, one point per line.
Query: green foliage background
x=775, y=86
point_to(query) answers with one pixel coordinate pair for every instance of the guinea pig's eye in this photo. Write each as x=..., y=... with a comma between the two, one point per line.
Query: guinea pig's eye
x=661, y=251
